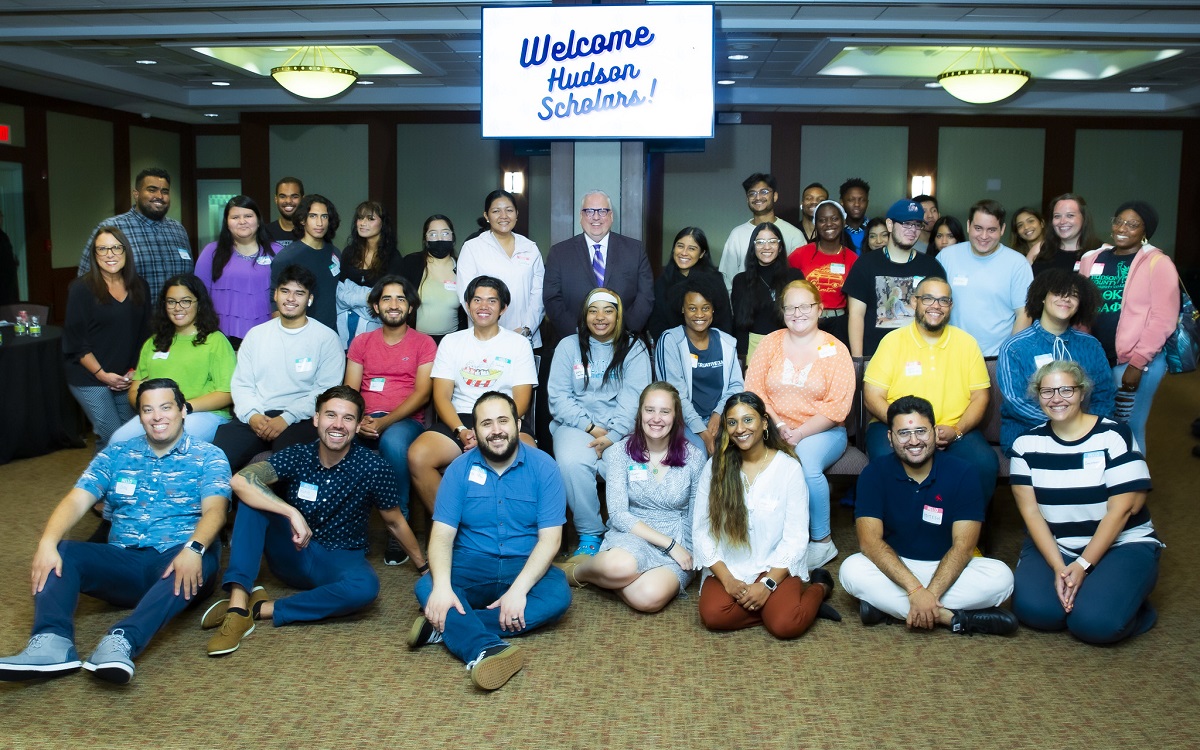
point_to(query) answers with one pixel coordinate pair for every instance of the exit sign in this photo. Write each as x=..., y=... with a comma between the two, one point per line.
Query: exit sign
x=5, y=132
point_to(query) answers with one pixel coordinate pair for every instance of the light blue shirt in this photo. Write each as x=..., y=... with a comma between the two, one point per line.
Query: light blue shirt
x=988, y=290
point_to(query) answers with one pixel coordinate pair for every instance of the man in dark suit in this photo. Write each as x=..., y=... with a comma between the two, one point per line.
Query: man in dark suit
x=598, y=257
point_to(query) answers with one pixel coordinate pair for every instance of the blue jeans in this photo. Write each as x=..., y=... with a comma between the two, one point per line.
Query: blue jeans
x=479, y=580
x=334, y=582
x=817, y=453
x=201, y=425
x=121, y=576
x=1144, y=396
x=972, y=447
x=393, y=446
x=1109, y=607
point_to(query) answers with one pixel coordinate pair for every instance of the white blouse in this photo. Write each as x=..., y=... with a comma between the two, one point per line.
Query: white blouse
x=778, y=506
x=522, y=274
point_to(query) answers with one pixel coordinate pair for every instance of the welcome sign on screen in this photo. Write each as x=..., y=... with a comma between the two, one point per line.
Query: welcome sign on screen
x=600, y=71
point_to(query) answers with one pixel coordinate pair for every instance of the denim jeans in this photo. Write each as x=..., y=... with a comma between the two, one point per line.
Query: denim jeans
x=334, y=582
x=479, y=580
x=817, y=453
x=121, y=576
x=1143, y=397
x=393, y=446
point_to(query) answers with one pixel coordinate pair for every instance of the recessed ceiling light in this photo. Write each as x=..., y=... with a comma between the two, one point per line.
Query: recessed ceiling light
x=725, y=82
x=146, y=62
x=361, y=82
x=281, y=49
x=738, y=57
x=1138, y=89
x=933, y=85
x=211, y=114
x=220, y=83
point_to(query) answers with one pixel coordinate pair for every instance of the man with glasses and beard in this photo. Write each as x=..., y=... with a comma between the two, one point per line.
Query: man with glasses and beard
x=943, y=365
x=918, y=518
x=497, y=525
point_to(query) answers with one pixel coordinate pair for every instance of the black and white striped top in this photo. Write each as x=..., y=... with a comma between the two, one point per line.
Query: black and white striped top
x=1073, y=480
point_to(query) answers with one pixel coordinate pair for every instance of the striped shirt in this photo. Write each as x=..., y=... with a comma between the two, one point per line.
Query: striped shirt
x=1073, y=481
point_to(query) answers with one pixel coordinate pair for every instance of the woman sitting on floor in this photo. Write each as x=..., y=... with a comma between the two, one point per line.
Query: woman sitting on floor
x=652, y=476
x=1091, y=558
x=750, y=530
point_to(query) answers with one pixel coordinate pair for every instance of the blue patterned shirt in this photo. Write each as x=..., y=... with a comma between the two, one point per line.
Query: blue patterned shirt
x=155, y=501
x=161, y=249
x=336, y=502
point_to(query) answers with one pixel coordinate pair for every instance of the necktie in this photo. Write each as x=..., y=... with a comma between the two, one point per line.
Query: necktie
x=598, y=265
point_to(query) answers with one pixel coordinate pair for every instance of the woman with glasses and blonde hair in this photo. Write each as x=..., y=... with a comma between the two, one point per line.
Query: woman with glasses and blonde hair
x=186, y=346
x=750, y=530
x=1091, y=558
x=805, y=377
x=105, y=323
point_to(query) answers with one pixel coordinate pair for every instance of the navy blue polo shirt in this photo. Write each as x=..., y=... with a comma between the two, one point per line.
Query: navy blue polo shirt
x=918, y=518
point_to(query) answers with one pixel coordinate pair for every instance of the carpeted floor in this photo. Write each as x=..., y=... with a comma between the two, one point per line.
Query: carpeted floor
x=607, y=677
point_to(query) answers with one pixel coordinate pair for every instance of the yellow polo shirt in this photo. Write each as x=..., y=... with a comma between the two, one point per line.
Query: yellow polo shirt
x=943, y=373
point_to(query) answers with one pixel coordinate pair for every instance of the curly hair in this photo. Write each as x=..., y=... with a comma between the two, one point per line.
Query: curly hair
x=206, y=315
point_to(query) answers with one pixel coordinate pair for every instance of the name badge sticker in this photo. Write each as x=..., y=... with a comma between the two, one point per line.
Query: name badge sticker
x=638, y=473
x=826, y=350
x=695, y=360
x=376, y=384
x=308, y=491
x=579, y=372
x=932, y=515
x=263, y=260
x=912, y=369
x=1097, y=269
x=450, y=286
x=183, y=253
x=1042, y=360
x=477, y=475
x=304, y=364
x=1093, y=460
x=160, y=355
x=335, y=265
x=960, y=280
x=125, y=486
x=838, y=268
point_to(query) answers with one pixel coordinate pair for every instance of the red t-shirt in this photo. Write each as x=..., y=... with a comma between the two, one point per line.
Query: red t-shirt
x=390, y=372
x=826, y=272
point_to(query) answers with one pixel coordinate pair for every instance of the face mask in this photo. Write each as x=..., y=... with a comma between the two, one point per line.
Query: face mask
x=440, y=248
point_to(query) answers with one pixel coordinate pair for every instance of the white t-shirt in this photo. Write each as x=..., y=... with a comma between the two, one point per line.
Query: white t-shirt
x=476, y=367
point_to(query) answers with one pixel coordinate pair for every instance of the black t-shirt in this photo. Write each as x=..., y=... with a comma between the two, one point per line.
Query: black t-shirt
x=279, y=235
x=886, y=288
x=1109, y=272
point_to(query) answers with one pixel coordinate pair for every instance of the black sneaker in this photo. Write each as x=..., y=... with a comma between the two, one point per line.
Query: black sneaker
x=869, y=614
x=394, y=554
x=422, y=633
x=990, y=621
x=495, y=666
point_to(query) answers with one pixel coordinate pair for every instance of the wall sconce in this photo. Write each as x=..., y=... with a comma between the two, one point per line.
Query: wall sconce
x=922, y=184
x=514, y=182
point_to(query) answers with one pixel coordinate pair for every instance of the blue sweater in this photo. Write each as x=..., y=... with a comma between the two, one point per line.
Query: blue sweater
x=611, y=404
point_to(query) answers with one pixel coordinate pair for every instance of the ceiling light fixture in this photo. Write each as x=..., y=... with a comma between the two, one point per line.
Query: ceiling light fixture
x=725, y=82
x=738, y=57
x=306, y=74
x=211, y=114
x=220, y=83
x=146, y=62
x=365, y=83
x=985, y=82
x=1138, y=89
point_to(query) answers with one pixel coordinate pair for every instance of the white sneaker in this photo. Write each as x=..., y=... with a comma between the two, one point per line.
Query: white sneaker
x=820, y=553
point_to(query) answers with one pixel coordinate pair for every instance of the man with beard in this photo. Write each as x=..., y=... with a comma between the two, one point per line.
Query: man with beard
x=855, y=195
x=497, y=526
x=761, y=197
x=288, y=192
x=161, y=248
x=943, y=365
x=918, y=518
x=991, y=280
x=316, y=539
x=880, y=285
x=167, y=494
x=282, y=365
x=390, y=367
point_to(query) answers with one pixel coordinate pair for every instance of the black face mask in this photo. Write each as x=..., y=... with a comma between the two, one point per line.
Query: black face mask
x=440, y=248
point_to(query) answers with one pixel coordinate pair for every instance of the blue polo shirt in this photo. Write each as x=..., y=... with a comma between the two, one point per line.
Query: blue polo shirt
x=499, y=515
x=918, y=519
x=154, y=501
x=336, y=502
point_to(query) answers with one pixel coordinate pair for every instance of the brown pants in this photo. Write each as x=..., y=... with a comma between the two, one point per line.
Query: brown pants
x=787, y=614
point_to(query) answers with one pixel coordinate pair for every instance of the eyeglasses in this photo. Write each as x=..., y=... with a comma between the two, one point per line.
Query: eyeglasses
x=1119, y=223
x=1065, y=391
x=930, y=300
x=913, y=226
x=110, y=250
x=434, y=234
x=596, y=213
x=801, y=309
x=764, y=242
x=182, y=304
x=918, y=432
x=763, y=193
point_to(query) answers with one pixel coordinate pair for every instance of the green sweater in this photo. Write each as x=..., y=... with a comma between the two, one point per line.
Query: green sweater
x=199, y=370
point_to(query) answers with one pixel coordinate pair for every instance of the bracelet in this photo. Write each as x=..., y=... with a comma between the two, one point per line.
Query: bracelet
x=591, y=426
x=915, y=590
x=99, y=370
x=423, y=568
x=669, y=547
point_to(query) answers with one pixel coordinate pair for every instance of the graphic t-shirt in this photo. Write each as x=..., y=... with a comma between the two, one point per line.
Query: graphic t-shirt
x=708, y=374
x=1109, y=272
x=886, y=288
x=476, y=367
x=826, y=272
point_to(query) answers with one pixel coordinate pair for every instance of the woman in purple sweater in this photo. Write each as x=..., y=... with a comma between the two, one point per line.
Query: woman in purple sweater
x=236, y=269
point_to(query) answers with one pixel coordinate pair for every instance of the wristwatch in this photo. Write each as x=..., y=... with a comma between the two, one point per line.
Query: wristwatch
x=196, y=547
x=1083, y=563
x=769, y=582
x=458, y=431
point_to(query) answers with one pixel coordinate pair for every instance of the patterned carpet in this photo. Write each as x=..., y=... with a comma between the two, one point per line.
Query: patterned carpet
x=608, y=677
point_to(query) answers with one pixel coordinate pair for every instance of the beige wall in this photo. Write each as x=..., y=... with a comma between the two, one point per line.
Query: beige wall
x=73, y=163
x=878, y=154
x=330, y=159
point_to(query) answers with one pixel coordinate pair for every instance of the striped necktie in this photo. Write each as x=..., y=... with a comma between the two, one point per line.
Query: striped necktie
x=598, y=265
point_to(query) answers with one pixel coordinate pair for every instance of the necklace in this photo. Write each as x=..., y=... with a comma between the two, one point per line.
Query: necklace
x=911, y=253
x=656, y=461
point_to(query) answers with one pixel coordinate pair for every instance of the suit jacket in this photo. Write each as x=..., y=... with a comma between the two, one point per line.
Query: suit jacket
x=569, y=278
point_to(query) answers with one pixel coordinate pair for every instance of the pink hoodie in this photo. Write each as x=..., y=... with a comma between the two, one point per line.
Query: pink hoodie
x=1149, y=306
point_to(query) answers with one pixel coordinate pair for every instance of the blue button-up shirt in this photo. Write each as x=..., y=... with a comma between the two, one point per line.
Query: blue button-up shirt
x=161, y=249
x=154, y=501
x=500, y=514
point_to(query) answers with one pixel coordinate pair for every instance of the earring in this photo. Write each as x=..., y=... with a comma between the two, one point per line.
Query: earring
x=1145, y=240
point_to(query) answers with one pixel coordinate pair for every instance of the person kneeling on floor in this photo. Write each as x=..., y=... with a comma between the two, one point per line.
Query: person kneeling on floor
x=316, y=539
